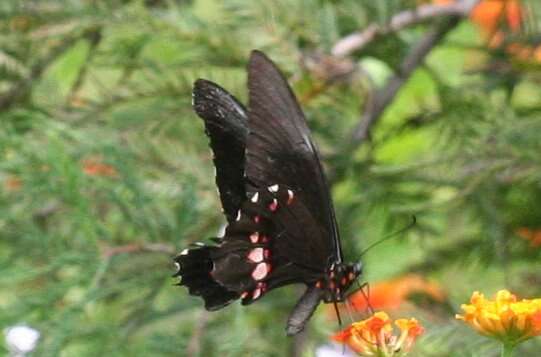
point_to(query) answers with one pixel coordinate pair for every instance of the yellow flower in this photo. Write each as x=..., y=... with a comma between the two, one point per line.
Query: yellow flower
x=506, y=319
x=374, y=336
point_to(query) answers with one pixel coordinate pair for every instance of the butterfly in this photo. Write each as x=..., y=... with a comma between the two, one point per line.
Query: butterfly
x=281, y=223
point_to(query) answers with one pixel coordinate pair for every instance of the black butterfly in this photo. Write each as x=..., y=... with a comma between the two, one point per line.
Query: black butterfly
x=281, y=223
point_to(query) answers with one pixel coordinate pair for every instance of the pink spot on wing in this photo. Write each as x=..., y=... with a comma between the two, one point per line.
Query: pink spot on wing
x=266, y=253
x=260, y=272
x=257, y=219
x=256, y=255
x=244, y=295
x=273, y=206
x=257, y=294
x=254, y=237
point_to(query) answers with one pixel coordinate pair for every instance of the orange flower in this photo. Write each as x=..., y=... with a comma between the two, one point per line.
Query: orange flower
x=490, y=15
x=496, y=18
x=392, y=293
x=533, y=235
x=374, y=336
x=506, y=319
x=95, y=167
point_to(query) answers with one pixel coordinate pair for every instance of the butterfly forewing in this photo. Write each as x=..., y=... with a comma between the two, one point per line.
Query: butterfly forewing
x=226, y=126
x=279, y=150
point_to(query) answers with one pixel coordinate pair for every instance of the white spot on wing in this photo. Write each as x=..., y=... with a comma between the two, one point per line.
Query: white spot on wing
x=290, y=196
x=255, y=197
x=273, y=188
x=238, y=216
x=184, y=252
x=177, y=265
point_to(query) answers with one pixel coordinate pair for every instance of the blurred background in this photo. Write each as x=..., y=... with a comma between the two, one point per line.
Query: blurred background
x=428, y=108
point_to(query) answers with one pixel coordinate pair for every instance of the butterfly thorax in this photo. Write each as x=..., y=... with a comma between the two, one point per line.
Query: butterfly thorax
x=337, y=281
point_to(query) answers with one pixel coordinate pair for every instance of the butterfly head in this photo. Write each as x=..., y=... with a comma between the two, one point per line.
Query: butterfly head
x=337, y=281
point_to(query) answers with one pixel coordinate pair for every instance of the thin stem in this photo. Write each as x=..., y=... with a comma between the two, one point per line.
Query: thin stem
x=507, y=350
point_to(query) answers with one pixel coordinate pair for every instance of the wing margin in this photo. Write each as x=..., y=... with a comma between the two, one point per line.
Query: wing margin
x=226, y=125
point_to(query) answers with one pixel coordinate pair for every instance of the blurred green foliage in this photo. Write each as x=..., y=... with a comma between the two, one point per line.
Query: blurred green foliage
x=105, y=171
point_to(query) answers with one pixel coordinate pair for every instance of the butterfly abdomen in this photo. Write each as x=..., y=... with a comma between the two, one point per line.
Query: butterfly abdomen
x=194, y=267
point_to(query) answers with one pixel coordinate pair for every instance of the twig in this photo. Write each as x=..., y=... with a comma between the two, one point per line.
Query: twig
x=383, y=97
x=42, y=214
x=94, y=39
x=138, y=248
x=358, y=40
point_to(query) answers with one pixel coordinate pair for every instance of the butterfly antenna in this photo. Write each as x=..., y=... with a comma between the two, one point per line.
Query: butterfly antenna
x=392, y=235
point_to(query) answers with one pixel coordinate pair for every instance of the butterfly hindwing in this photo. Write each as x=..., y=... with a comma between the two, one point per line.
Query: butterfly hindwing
x=226, y=125
x=194, y=266
x=259, y=252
